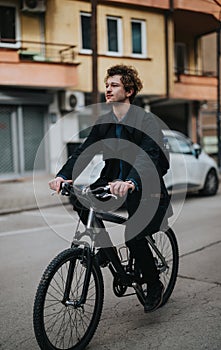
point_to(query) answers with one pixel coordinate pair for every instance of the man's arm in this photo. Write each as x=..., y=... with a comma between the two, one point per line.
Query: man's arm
x=72, y=168
x=147, y=158
x=82, y=156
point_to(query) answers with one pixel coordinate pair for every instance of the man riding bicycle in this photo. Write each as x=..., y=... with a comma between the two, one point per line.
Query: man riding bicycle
x=130, y=140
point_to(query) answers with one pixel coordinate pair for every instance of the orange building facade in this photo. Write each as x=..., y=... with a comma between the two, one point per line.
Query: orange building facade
x=46, y=73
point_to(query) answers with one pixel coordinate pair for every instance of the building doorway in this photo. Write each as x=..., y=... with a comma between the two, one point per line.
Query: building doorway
x=22, y=130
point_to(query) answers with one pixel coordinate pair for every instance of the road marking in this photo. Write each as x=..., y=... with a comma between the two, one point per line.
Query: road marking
x=34, y=229
x=47, y=214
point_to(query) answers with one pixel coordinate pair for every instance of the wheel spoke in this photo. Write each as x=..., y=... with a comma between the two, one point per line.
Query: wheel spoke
x=66, y=326
x=167, y=245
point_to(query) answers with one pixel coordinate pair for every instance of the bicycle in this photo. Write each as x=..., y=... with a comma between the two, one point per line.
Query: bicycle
x=69, y=299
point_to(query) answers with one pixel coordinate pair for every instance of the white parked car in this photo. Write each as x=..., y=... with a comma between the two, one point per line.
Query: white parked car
x=191, y=169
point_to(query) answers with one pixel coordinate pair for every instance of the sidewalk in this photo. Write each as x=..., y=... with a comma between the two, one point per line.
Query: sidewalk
x=26, y=194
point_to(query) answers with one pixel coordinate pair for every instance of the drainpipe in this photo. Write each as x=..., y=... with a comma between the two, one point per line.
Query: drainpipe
x=196, y=109
x=95, y=97
x=167, y=54
x=171, y=6
x=166, y=24
x=218, y=99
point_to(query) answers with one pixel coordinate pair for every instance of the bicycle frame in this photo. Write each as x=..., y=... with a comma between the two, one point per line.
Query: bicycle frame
x=69, y=299
x=94, y=223
x=115, y=264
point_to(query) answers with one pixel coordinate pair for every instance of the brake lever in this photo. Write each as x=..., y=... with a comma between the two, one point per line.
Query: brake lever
x=106, y=195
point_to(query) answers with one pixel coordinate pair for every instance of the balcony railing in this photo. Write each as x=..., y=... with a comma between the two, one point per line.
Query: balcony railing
x=195, y=85
x=41, y=51
x=193, y=72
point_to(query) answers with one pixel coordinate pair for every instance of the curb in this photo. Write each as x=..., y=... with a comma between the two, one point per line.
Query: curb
x=29, y=208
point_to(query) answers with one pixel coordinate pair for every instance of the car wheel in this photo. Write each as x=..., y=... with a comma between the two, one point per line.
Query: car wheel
x=211, y=184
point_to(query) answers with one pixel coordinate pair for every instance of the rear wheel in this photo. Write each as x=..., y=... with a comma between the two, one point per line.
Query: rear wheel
x=67, y=325
x=167, y=265
x=167, y=244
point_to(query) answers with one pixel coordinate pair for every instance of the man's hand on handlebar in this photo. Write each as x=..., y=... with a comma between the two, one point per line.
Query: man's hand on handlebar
x=120, y=188
x=55, y=184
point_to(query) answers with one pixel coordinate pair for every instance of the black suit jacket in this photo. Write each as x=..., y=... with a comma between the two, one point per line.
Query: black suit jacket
x=138, y=149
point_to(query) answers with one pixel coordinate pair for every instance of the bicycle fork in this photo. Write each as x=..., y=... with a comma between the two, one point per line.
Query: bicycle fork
x=88, y=261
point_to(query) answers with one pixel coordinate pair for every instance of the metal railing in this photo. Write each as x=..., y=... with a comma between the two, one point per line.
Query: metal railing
x=193, y=72
x=41, y=51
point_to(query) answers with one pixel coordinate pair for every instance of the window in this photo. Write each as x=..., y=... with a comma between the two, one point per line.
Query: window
x=114, y=33
x=86, y=32
x=180, y=58
x=180, y=145
x=138, y=29
x=8, y=30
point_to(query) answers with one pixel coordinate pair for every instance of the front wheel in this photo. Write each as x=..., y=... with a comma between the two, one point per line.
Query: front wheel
x=67, y=325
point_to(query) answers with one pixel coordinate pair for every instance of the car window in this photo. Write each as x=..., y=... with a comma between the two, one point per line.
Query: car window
x=180, y=145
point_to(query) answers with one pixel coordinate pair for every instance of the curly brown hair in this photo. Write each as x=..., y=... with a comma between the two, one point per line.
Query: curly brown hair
x=129, y=78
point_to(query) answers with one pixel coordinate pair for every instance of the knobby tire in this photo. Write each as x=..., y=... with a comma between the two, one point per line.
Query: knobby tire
x=58, y=326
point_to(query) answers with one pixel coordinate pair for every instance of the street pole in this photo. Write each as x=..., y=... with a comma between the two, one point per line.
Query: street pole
x=218, y=99
x=95, y=95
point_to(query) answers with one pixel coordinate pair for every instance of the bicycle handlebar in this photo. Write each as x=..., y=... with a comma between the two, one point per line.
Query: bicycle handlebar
x=102, y=192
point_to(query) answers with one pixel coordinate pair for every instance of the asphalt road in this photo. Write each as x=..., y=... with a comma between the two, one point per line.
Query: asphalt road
x=190, y=319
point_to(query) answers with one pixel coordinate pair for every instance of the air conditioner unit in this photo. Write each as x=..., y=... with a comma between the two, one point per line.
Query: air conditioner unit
x=34, y=5
x=71, y=100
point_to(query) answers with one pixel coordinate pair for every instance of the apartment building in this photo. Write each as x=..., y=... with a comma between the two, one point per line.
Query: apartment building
x=208, y=111
x=46, y=70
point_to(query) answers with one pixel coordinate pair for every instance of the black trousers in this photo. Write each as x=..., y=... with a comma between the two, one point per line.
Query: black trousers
x=137, y=244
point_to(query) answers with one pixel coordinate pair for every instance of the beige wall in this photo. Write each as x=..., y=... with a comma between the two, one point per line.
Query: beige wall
x=152, y=70
x=30, y=31
x=62, y=21
x=30, y=28
x=64, y=26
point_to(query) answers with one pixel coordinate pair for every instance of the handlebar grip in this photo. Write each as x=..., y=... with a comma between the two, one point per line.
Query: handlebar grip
x=65, y=189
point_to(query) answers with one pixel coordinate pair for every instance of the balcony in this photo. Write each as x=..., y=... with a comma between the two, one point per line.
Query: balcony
x=195, y=86
x=158, y=4
x=206, y=7
x=37, y=64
